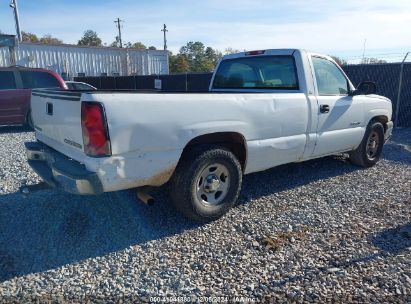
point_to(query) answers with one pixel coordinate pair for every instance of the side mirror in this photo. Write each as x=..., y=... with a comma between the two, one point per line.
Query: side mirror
x=365, y=88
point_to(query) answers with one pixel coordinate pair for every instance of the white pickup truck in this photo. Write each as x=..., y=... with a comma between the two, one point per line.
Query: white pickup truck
x=263, y=109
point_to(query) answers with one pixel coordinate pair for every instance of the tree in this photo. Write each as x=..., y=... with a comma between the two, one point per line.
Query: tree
x=339, y=60
x=90, y=38
x=193, y=50
x=200, y=58
x=29, y=37
x=48, y=39
x=116, y=43
x=372, y=60
x=213, y=55
x=178, y=64
x=230, y=50
x=138, y=45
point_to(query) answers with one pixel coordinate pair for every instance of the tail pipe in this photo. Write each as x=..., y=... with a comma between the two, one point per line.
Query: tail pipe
x=145, y=198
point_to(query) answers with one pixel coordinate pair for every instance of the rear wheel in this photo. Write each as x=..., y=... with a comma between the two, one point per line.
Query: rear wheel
x=206, y=183
x=369, y=151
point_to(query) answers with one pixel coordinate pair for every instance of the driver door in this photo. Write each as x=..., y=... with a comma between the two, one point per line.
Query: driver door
x=340, y=116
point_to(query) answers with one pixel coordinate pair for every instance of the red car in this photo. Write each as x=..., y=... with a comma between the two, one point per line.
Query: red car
x=15, y=92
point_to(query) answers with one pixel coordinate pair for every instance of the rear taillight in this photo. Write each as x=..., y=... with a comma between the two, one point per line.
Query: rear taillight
x=95, y=133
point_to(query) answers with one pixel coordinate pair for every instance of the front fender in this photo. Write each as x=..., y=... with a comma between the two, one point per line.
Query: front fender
x=370, y=114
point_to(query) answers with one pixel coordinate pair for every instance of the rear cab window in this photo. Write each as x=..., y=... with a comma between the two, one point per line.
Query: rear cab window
x=35, y=79
x=277, y=72
x=7, y=80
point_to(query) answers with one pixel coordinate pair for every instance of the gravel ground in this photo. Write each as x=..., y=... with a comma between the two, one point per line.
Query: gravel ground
x=323, y=230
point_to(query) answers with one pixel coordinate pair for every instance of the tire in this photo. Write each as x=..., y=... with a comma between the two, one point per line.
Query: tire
x=369, y=151
x=206, y=183
x=29, y=121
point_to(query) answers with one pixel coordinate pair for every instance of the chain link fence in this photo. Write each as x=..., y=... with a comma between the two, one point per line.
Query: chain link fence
x=387, y=78
x=188, y=82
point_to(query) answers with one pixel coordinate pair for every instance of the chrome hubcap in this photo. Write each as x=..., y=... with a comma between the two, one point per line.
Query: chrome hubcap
x=372, y=145
x=212, y=184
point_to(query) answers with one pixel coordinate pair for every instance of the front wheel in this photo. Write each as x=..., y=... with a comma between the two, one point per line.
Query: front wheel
x=369, y=151
x=206, y=183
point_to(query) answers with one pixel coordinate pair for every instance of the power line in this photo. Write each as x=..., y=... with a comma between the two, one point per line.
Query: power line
x=118, y=24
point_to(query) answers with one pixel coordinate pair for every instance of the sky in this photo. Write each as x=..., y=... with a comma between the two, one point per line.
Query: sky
x=333, y=27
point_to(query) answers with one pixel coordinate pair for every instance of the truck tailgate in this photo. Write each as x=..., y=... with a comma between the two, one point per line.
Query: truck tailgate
x=56, y=117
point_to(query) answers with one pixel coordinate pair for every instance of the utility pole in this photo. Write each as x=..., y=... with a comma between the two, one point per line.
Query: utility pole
x=118, y=21
x=165, y=36
x=13, y=5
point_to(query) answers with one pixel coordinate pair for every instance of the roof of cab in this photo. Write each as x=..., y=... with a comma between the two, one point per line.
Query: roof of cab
x=260, y=53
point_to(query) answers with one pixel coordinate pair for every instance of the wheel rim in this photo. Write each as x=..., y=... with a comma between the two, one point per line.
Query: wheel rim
x=212, y=184
x=373, y=144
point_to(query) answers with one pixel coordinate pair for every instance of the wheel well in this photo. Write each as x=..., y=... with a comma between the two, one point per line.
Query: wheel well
x=382, y=119
x=233, y=141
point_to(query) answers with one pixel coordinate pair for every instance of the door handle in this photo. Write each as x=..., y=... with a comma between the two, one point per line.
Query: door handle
x=324, y=108
x=49, y=108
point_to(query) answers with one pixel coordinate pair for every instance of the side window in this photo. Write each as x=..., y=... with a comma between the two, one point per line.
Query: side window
x=263, y=72
x=7, y=81
x=330, y=80
x=33, y=79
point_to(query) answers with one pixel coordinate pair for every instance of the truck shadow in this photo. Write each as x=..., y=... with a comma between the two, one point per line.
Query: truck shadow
x=394, y=240
x=298, y=174
x=398, y=152
x=14, y=129
x=293, y=175
x=50, y=229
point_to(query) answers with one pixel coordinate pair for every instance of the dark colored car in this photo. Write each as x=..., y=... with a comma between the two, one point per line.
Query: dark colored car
x=15, y=91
